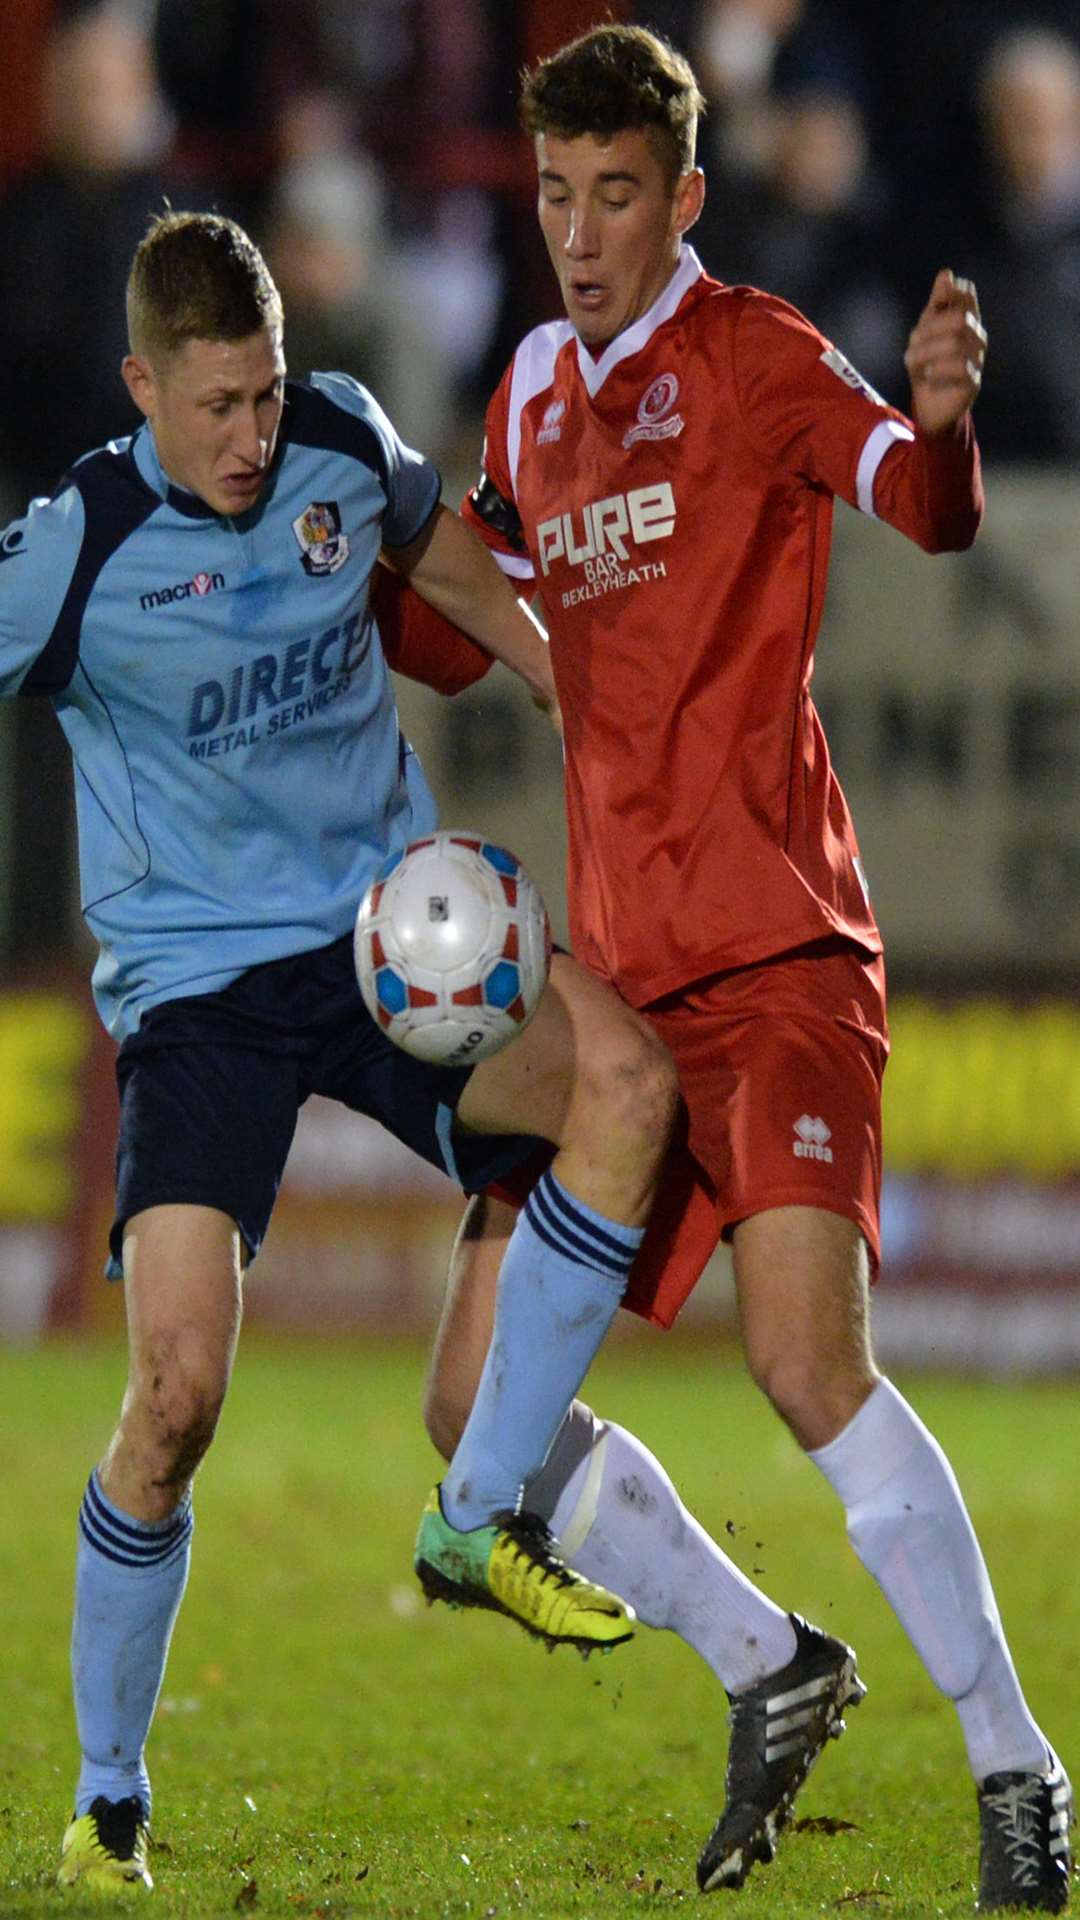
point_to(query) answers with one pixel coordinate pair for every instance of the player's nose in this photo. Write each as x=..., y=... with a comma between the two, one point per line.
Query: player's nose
x=248, y=443
x=581, y=237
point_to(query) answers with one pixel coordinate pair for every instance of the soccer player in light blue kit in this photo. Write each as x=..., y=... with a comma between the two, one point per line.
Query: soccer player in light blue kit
x=195, y=602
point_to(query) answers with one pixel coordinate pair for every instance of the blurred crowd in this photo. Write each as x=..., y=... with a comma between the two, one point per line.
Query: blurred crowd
x=371, y=147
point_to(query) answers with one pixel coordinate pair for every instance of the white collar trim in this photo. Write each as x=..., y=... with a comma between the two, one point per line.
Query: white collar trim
x=595, y=372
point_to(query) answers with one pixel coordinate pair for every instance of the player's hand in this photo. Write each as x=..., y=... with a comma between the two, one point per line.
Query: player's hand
x=945, y=355
x=553, y=712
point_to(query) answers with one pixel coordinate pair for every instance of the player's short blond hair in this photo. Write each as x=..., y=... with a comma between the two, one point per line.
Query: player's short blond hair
x=611, y=79
x=197, y=276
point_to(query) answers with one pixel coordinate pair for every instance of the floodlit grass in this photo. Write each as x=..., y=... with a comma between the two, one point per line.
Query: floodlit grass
x=327, y=1746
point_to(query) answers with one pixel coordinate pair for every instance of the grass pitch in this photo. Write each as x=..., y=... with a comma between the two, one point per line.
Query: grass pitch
x=326, y=1746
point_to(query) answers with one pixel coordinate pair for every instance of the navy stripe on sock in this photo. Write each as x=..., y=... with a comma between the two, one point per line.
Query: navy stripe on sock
x=566, y=1245
x=128, y=1544
x=136, y=1532
x=560, y=1225
x=574, y=1244
x=111, y=1549
x=574, y=1212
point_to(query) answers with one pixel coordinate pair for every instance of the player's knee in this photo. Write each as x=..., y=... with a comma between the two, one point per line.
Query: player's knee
x=633, y=1092
x=176, y=1410
x=816, y=1394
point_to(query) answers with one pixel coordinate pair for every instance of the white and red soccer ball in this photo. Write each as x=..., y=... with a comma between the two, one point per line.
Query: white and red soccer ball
x=453, y=946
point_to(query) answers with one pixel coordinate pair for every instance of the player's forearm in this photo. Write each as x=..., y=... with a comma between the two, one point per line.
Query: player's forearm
x=418, y=642
x=931, y=488
x=453, y=571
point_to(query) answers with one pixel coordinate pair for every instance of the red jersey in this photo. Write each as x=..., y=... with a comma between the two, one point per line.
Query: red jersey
x=672, y=500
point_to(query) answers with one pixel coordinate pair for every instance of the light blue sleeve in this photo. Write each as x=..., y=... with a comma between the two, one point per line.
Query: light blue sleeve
x=38, y=555
x=411, y=480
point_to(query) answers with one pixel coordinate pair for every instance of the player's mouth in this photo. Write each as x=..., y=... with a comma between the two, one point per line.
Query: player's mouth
x=243, y=486
x=590, y=295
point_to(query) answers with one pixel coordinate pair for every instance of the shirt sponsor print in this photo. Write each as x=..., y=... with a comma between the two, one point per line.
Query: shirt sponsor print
x=598, y=538
x=276, y=691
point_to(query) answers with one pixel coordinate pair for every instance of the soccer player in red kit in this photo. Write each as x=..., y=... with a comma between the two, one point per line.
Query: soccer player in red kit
x=660, y=467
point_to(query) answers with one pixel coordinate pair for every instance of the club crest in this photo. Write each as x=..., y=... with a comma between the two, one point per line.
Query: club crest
x=323, y=546
x=655, y=420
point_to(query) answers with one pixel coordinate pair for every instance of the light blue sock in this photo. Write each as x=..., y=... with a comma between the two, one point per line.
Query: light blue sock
x=129, y=1582
x=563, y=1275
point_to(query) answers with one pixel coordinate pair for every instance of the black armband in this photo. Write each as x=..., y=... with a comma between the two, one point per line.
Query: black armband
x=498, y=513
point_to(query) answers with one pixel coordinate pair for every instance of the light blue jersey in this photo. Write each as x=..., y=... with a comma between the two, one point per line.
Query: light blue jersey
x=239, y=770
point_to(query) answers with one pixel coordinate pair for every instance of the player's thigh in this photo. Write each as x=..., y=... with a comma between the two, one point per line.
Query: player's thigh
x=585, y=1064
x=206, y=1122
x=781, y=1068
x=413, y=1099
x=464, y=1331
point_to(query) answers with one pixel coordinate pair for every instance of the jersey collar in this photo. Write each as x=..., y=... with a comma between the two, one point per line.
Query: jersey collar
x=145, y=454
x=595, y=372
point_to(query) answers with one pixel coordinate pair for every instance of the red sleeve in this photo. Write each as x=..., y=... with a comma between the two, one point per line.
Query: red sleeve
x=931, y=488
x=806, y=408
x=419, y=642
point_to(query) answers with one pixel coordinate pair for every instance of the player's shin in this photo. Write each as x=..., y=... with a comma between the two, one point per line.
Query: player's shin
x=907, y=1522
x=130, y=1580
x=619, y=1521
x=562, y=1278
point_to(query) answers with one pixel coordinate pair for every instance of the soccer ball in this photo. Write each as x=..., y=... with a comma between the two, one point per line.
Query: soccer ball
x=452, y=948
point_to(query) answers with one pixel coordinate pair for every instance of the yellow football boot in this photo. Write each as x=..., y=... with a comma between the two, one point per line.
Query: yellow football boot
x=512, y=1567
x=104, y=1851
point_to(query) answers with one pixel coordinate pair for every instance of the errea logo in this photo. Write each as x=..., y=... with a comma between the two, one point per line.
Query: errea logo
x=200, y=586
x=551, y=429
x=812, y=1139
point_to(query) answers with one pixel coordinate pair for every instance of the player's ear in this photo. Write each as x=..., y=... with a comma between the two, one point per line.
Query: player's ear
x=138, y=378
x=689, y=200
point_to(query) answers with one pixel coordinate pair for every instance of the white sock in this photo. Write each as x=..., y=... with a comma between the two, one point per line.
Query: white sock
x=907, y=1522
x=619, y=1520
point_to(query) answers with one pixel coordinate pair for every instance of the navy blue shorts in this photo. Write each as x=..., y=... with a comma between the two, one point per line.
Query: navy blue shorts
x=210, y=1087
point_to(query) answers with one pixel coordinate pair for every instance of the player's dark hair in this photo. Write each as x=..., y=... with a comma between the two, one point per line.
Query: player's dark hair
x=613, y=78
x=197, y=276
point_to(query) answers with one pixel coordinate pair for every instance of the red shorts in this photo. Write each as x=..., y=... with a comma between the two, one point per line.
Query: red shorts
x=781, y=1067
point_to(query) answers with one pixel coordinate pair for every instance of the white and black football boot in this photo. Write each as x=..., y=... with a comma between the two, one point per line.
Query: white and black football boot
x=778, y=1728
x=1024, y=1856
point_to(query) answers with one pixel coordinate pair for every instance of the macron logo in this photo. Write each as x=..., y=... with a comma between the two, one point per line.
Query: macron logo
x=200, y=586
x=812, y=1139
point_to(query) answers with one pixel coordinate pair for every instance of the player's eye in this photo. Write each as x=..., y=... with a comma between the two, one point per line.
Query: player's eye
x=614, y=206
